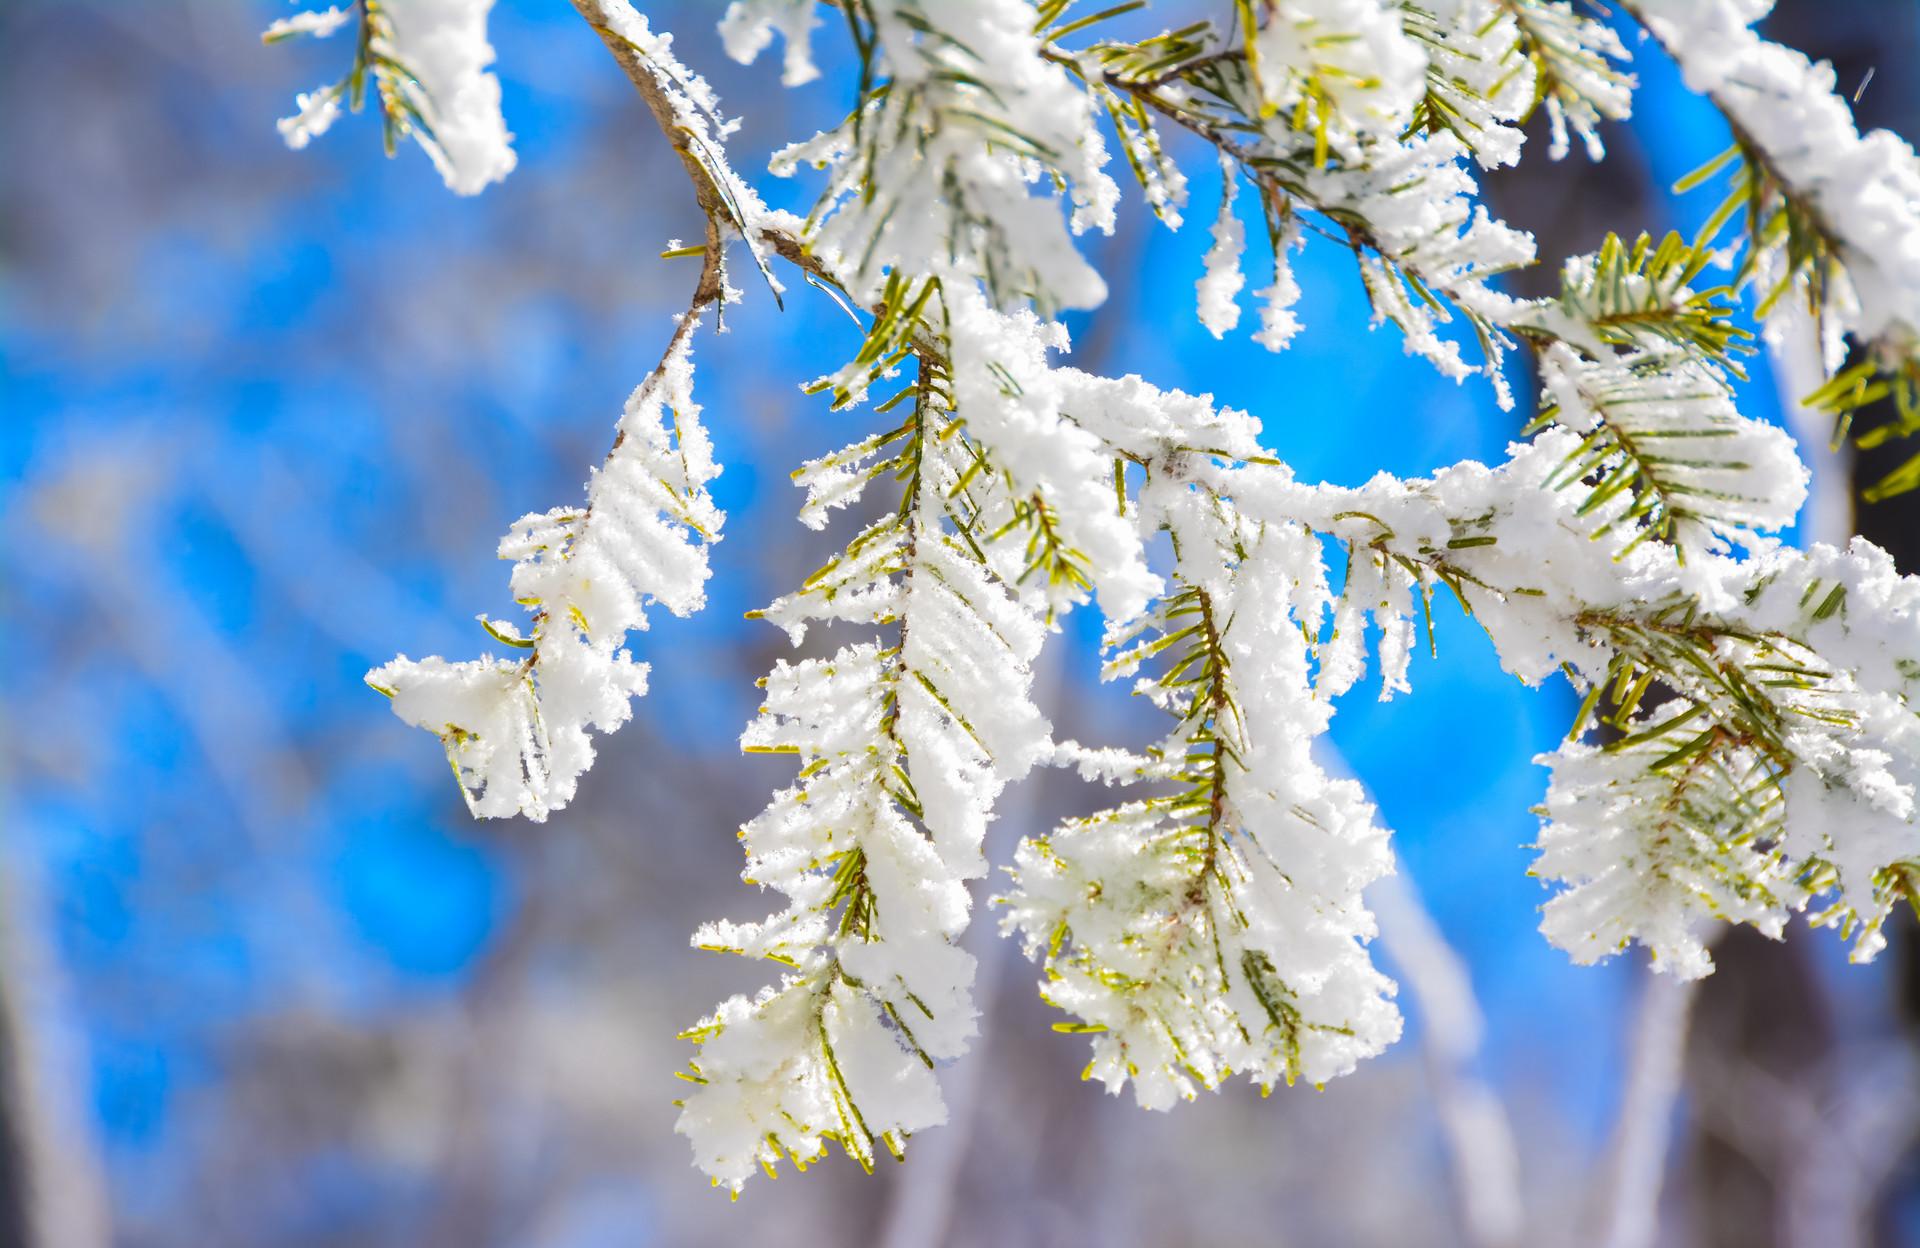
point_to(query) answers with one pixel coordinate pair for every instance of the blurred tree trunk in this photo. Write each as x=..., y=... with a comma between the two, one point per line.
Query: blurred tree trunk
x=14, y=1182
x=50, y=1188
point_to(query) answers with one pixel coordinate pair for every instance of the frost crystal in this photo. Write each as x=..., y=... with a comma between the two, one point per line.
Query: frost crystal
x=750, y=25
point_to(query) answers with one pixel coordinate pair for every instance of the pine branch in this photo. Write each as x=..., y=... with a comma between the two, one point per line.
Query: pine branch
x=1765, y=751
x=1664, y=455
x=1825, y=213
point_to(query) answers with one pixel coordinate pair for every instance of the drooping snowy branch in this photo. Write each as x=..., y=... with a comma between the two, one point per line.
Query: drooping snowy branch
x=1386, y=172
x=1782, y=771
x=1217, y=926
x=902, y=750
x=957, y=116
x=688, y=114
x=515, y=730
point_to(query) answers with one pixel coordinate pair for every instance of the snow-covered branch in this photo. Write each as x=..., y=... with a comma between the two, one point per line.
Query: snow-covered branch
x=1747, y=747
x=1831, y=216
x=515, y=730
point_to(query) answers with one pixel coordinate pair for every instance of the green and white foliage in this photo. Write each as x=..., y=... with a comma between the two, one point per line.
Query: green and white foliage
x=1781, y=771
x=1216, y=925
x=516, y=730
x=957, y=115
x=1575, y=58
x=1828, y=215
x=902, y=746
x=1641, y=365
x=1746, y=748
x=425, y=63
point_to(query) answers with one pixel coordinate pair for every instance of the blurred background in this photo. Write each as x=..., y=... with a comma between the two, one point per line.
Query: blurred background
x=263, y=416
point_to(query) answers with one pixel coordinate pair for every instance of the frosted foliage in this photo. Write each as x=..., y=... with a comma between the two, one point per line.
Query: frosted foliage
x=695, y=115
x=1746, y=747
x=1734, y=832
x=1278, y=324
x=1865, y=188
x=1219, y=287
x=1024, y=409
x=1804, y=661
x=686, y=108
x=972, y=118
x=902, y=751
x=1574, y=52
x=1479, y=76
x=318, y=23
x=1346, y=63
x=1421, y=225
x=313, y=115
x=1219, y=927
x=425, y=62
x=444, y=43
x=1654, y=855
x=516, y=732
x=1714, y=473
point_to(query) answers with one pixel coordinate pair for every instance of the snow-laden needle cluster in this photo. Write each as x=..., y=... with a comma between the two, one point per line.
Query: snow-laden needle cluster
x=1747, y=746
x=516, y=729
x=1832, y=216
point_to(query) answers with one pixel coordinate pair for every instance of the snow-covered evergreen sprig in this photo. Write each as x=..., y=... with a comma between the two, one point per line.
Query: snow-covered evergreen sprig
x=1830, y=217
x=956, y=115
x=425, y=64
x=902, y=744
x=1216, y=926
x=1746, y=746
x=515, y=730
x=1575, y=58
